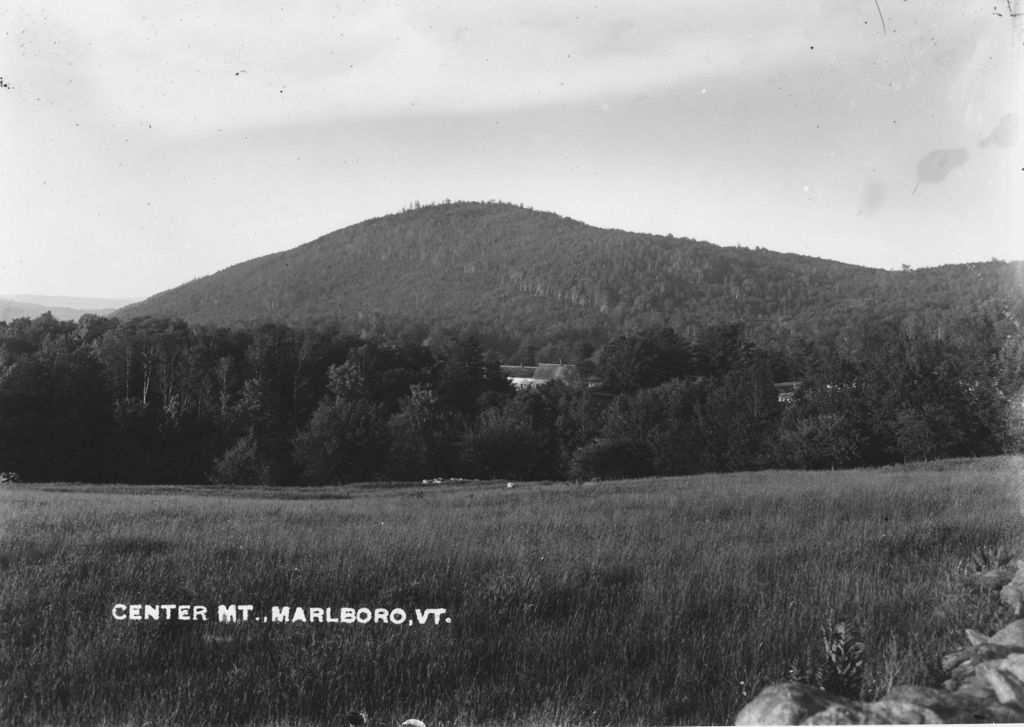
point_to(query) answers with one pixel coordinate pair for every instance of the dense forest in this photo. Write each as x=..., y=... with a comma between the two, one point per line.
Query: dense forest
x=159, y=400
x=505, y=273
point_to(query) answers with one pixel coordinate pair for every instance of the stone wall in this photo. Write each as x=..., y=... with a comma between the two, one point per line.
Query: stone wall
x=985, y=684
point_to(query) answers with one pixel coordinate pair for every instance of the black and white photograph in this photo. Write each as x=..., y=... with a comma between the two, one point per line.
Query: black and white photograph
x=547, y=363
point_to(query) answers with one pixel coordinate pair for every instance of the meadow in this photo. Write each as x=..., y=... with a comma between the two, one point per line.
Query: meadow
x=660, y=601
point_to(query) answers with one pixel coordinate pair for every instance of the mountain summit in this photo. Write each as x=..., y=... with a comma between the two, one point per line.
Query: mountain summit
x=506, y=269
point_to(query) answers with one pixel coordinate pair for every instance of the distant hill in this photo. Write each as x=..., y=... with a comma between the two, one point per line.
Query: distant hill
x=64, y=308
x=508, y=270
x=72, y=302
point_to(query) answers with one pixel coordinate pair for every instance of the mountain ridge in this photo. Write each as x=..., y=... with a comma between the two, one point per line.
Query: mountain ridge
x=13, y=307
x=79, y=302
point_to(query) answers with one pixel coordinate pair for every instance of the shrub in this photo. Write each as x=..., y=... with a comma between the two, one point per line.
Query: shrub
x=242, y=465
x=817, y=441
x=501, y=444
x=612, y=459
x=345, y=441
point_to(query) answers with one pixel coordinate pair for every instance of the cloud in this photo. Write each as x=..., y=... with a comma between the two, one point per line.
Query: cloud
x=218, y=65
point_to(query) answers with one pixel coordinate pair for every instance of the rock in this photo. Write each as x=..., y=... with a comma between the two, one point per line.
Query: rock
x=1005, y=677
x=961, y=673
x=946, y=707
x=1012, y=594
x=976, y=637
x=788, y=703
x=801, y=704
x=908, y=708
x=974, y=686
x=961, y=665
x=986, y=681
x=966, y=659
x=1014, y=663
x=1011, y=635
x=951, y=661
x=1009, y=690
x=850, y=714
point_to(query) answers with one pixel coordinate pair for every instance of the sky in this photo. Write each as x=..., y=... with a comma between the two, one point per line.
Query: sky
x=145, y=144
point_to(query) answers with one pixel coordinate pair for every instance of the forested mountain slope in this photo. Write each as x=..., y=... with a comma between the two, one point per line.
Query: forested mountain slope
x=517, y=273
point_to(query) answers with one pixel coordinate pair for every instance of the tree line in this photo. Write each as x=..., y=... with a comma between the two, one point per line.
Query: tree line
x=155, y=400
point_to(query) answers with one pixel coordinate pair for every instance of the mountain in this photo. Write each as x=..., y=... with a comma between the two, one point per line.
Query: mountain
x=508, y=270
x=63, y=308
x=73, y=302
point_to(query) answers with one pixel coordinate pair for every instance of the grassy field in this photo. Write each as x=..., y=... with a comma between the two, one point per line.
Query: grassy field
x=643, y=602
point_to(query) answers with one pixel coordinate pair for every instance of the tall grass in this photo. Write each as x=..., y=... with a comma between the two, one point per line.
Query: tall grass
x=641, y=602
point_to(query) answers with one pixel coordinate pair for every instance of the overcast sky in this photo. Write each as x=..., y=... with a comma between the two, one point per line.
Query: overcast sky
x=148, y=143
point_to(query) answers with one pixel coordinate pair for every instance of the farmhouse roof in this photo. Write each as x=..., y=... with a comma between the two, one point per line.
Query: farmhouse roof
x=554, y=372
x=526, y=376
